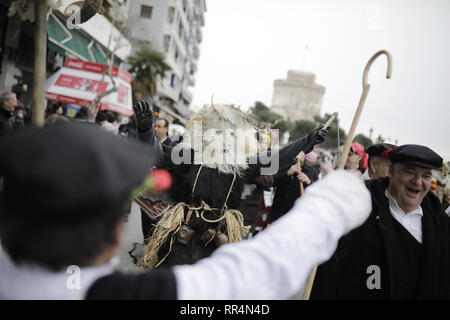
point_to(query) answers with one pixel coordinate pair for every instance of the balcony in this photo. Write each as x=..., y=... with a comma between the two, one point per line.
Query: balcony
x=191, y=81
x=194, y=66
x=196, y=52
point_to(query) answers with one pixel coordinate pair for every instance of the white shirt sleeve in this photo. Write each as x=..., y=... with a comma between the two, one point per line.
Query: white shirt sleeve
x=276, y=263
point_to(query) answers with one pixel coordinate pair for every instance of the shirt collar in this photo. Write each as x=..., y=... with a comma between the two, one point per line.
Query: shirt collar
x=393, y=204
x=366, y=175
x=31, y=282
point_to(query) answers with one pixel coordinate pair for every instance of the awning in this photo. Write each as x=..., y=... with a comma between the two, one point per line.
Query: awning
x=80, y=82
x=74, y=43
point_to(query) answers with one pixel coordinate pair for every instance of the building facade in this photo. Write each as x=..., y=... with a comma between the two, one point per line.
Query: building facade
x=298, y=97
x=172, y=27
x=96, y=40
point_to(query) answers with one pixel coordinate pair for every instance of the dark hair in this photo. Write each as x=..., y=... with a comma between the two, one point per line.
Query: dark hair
x=101, y=116
x=82, y=114
x=123, y=128
x=56, y=246
x=166, y=123
x=53, y=107
x=55, y=118
x=19, y=107
x=110, y=116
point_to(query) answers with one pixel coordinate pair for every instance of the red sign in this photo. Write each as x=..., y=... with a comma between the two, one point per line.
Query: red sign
x=122, y=94
x=97, y=68
x=82, y=84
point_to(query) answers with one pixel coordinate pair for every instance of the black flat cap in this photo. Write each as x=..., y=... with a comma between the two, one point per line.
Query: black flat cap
x=380, y=150
x=68, y=172
x=416, y=155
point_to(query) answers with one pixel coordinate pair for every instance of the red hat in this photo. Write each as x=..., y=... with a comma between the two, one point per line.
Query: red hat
x=359, y=149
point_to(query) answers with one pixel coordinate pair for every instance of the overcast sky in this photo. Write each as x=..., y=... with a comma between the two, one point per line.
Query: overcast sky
x=247, y=44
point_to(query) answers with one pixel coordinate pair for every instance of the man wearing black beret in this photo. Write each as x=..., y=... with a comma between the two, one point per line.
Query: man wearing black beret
x=61, y=221
x=378, y=164
x=402, y=251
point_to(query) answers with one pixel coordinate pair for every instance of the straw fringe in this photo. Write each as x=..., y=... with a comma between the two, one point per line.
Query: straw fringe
x=235, y=225
x=170, y=223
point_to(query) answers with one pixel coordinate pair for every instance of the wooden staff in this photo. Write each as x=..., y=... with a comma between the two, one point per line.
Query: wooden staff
x=366, y=87
x=300, y=158
x=348, y=142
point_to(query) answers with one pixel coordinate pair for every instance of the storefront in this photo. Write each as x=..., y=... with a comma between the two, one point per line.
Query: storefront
x=81, y=82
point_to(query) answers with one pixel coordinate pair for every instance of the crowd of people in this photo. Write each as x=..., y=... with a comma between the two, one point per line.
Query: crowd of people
x=375, y=230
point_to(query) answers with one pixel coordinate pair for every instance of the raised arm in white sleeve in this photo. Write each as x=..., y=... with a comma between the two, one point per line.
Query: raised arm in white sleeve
x=276, y=263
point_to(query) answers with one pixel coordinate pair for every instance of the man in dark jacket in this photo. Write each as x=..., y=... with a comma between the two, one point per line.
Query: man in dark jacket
x=142, y=131
x=403, y=250
x=8, y=118
x=162, y=133
x=288, y=187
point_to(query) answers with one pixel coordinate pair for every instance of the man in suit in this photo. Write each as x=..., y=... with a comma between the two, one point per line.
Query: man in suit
x=9, y=120
x=162, y=133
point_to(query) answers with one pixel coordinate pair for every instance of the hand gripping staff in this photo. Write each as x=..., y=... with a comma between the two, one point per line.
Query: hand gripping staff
x=300, y=158
x=348, y=142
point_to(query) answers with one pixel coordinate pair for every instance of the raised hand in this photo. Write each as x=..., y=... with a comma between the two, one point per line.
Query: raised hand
x=317, y=135
x=144, y=115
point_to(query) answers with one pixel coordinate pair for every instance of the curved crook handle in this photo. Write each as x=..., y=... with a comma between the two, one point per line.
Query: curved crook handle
x=369, y=64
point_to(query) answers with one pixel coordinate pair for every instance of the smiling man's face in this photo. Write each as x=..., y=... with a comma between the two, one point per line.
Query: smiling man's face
x=409, y=184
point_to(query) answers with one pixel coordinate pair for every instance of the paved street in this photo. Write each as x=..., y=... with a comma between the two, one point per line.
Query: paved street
x=132, y=234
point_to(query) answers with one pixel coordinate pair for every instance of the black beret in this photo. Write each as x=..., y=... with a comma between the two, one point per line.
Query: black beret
x=416, y=155
x=68, y=172
x=380, y=150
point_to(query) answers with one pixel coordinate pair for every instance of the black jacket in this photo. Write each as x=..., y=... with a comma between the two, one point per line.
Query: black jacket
x=148, y=137
x=8, y=121
x=288, y=191
x=381, y=241
x=157, y=284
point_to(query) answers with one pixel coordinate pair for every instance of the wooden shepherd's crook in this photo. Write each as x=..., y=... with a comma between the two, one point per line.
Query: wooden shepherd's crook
x=366, y=87
x=348, y=142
